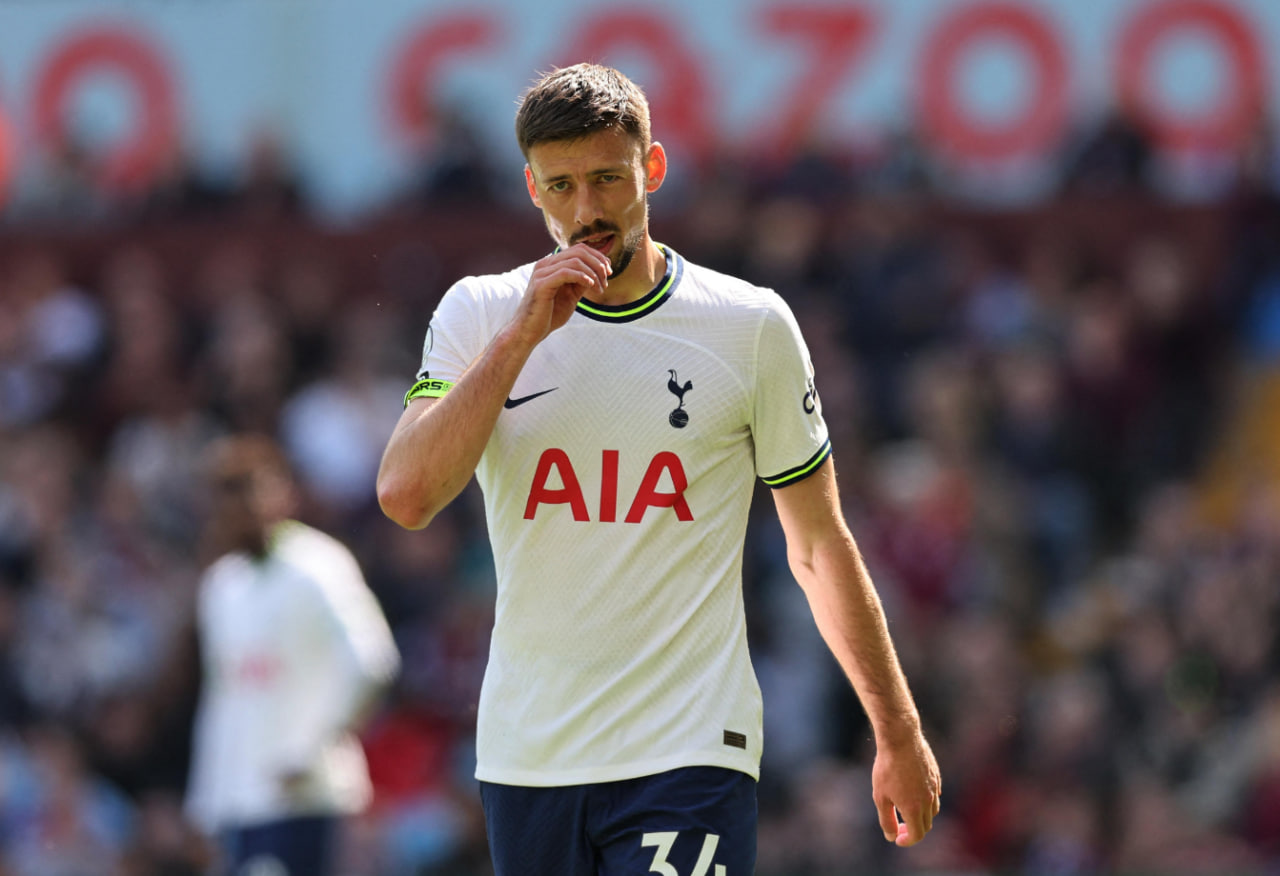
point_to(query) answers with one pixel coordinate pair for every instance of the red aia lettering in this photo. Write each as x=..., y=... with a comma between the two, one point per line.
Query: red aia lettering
x=126, y=53
x=570, y=491
x=676, y=90
x=258, y=669
x=1236, y=107
x=609, y=487
x=946, y=122
x=418, y=64
x=649, y=497
x=835, y=38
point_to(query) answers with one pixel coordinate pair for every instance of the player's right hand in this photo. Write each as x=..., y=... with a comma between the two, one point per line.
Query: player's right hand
x=556, y=285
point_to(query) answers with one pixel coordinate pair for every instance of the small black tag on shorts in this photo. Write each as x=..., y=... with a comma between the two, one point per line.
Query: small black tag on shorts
x=737, y=740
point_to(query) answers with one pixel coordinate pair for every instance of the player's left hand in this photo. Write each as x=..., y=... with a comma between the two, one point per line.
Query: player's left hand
x=292, y=782
x=906, y=782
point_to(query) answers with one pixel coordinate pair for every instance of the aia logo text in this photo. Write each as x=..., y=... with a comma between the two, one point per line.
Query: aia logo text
x=570, y=492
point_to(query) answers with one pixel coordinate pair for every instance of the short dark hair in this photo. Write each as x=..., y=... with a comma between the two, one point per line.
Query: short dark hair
x=573, y=102
x=244, y=455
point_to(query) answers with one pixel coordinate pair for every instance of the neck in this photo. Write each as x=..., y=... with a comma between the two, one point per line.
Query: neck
x=261, y=541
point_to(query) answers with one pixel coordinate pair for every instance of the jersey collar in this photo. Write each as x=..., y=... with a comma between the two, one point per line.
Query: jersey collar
x=642, y=306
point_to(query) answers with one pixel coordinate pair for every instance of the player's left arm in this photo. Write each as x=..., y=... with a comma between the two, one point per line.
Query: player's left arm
x=827, y=564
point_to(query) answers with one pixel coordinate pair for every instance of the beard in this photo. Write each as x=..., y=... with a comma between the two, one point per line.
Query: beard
x=630, y=246
x=630, y=243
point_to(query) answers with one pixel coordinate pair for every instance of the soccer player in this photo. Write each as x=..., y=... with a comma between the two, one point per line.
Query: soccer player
x=617, y=404
x=296, y=652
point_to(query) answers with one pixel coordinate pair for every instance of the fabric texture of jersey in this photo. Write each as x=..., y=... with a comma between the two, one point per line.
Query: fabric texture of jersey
x=292, y=644
x=617, y=483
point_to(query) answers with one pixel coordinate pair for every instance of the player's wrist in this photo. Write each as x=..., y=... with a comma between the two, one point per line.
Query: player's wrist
x=517, y=340
x=897, y=731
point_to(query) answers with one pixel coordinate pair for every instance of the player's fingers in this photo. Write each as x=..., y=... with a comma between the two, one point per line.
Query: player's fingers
x=580, y=272
x=888, y=819
x=586, y=250
x=583, y=278
x=594, y=259
x=565, y=274
x=579, y=257
x=914, y=821
x=571, y=293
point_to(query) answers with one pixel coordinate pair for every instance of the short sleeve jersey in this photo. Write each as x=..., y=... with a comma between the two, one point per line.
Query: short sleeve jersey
x=617, y=484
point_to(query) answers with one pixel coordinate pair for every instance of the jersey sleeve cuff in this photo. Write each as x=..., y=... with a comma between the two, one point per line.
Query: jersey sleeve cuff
x=802, y=471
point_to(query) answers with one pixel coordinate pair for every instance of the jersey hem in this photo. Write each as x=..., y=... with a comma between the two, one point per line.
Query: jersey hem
x=613, y=772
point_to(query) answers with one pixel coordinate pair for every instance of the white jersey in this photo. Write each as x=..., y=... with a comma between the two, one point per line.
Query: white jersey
x=292, y=646
x=617, y=484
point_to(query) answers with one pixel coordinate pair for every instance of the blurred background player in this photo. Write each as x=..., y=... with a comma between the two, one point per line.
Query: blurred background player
x=296, y=651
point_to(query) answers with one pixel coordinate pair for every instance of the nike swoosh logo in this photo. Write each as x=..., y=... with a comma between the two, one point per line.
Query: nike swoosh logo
x=517, y=402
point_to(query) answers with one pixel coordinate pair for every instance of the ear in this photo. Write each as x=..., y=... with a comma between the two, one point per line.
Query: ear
x=655, y=167
x=533, y=189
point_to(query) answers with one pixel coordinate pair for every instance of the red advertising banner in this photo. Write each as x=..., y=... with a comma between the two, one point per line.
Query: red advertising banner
x=986, y=83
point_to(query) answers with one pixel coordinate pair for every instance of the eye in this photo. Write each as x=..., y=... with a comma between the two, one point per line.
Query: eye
x=559, y=186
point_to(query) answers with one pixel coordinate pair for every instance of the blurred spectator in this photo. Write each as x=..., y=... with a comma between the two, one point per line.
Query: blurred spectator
x=310, y=294
x=68, y=822
x=1178, y=341
x=336, y=426
x=246, y=364
x=67, y=187
x=51, y=335
x=897, y=164
x=164, y=842
x=182, y=189
x=270, y=186
x=1259, y=160
x=452, y=162
x=1112, y=157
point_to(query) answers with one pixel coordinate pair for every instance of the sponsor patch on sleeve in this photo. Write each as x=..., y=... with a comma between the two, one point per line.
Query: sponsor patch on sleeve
x=427, y=387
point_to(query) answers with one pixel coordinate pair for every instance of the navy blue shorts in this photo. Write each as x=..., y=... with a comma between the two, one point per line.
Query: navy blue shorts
x=693, y=821
x=301, y=846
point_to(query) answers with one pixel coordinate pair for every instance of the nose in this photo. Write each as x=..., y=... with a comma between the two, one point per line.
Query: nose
x=586, y=207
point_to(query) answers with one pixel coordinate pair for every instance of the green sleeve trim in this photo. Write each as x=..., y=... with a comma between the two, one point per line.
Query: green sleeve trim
x=427, y=387
x=800, y=472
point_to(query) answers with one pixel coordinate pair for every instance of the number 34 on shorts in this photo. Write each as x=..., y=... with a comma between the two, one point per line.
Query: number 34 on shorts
x=663, y=841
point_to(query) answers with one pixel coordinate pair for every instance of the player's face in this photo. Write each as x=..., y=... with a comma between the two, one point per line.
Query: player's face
x=595, y=190
x=246, y=504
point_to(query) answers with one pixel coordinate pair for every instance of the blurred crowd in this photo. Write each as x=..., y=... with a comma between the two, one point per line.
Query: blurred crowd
x=1057, y=430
